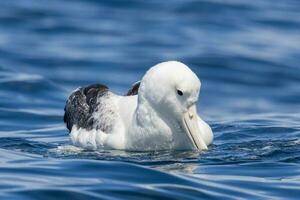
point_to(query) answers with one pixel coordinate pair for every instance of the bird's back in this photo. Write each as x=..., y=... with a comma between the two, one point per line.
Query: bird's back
x=85, y=107
x=94, y=107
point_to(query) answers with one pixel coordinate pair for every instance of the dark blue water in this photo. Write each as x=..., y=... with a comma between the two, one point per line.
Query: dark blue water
x=246, y=53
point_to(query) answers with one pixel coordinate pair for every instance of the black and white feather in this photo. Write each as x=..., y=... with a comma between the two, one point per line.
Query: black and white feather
x=91, y=107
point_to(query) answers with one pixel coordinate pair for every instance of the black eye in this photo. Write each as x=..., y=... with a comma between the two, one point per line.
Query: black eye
x=179, y=92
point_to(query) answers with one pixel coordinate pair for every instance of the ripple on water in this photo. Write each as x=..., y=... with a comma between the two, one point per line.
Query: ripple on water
x=249, y=69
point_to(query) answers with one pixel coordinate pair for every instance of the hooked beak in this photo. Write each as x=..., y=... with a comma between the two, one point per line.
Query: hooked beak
x=191, y=126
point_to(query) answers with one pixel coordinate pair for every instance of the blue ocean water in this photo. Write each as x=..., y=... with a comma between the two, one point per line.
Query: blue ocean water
x=246, y=53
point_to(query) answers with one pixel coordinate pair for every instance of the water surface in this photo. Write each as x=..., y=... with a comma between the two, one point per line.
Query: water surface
x=246, y=54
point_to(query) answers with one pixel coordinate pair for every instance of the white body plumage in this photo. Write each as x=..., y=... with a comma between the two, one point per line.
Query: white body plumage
x=161, y=116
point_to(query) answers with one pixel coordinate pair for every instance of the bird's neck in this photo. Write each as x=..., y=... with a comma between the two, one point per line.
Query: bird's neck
x=155, y=130
x=148, y=130
x=146, y=116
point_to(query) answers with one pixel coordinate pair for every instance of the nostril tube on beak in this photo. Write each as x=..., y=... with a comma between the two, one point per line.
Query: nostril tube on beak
x=191, y=126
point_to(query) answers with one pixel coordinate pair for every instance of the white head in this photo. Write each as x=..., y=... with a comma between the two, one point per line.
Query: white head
x=172, y=89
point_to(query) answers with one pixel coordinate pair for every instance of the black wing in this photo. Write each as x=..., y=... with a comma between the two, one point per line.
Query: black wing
x=134, y=89
x=85, y=101
x=82, y=104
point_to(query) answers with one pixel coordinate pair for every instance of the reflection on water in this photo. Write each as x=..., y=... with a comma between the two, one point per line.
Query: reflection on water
x=245, y=53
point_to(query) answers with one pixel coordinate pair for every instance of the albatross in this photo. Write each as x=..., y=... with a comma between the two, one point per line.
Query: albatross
x=157, y=113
